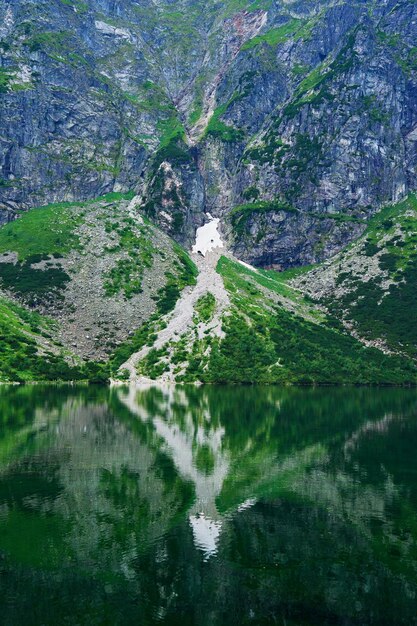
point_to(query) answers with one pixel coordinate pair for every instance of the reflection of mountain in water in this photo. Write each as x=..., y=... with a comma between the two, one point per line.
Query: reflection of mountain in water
x=194, y=443
x=209, y=505
x=279, y=450
x=114, y=500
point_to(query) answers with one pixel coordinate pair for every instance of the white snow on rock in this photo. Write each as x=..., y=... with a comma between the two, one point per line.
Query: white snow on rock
x=208, y=237
x=249, y=267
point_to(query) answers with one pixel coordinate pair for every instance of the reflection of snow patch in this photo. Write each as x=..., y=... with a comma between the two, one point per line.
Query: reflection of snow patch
x=206, y=534
x=208, y=237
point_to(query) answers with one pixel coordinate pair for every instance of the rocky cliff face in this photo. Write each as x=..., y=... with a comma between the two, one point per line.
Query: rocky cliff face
x=292, y=121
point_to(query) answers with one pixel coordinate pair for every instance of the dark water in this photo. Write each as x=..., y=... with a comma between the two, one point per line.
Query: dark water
x=214, y=506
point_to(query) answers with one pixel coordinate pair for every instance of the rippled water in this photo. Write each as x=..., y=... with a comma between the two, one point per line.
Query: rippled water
x=208, y=506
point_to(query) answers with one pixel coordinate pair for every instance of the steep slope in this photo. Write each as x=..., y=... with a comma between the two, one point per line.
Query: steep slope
x=94, y=290
x=195, y=322
x=292, y=121
x=104, y=85
x=98, y=269
x=371, y=286
x=325, y=113
x=248, y=326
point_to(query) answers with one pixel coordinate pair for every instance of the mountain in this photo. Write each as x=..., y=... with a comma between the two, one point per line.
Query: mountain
x=292, y=123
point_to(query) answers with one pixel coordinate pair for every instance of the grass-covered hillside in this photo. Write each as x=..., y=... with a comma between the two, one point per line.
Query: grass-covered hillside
x=28, y=351
x=371, y=286
x=96, y=270
x=267, y=342
x=95, y=291
x=270, y=334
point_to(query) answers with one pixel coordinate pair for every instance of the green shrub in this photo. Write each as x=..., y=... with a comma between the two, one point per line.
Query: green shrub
x=241, y=214
x=205, y=307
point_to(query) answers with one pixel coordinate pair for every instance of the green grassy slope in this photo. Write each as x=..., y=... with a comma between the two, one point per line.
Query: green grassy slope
x=90, y=265
x=45, y=234
x=372, y=284
x=265, y=342
x=27, y=352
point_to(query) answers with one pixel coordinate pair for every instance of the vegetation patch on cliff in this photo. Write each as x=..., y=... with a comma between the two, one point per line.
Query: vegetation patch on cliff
x=241, y=214
x=275, y=36
x=127, y=274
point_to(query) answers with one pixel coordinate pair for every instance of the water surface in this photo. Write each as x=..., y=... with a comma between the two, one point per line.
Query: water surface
x=208, y=506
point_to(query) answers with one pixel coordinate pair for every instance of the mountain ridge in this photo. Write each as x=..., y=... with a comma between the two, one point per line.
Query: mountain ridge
x=308, y=106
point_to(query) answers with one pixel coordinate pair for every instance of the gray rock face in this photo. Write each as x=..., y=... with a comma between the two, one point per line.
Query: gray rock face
x=292, y=121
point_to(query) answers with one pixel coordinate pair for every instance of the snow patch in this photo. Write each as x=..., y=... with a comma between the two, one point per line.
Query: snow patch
x=249, y=267
x=208, y=237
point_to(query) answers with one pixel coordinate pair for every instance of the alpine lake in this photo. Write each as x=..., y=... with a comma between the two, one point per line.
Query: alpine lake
x=208, y=506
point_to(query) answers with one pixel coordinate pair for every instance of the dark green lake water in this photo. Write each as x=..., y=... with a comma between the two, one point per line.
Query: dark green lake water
x=210, y=506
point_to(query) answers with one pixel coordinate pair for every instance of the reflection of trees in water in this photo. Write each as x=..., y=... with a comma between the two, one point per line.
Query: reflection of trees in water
x=324, y=522
x=312, y=504
x=115, y=496
x=119, y=496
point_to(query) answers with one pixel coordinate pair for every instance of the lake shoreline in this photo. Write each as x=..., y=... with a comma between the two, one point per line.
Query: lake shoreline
x=111, y=384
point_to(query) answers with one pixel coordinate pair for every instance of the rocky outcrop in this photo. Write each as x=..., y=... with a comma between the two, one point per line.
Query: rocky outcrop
x=291, y=121
x=334, y=142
